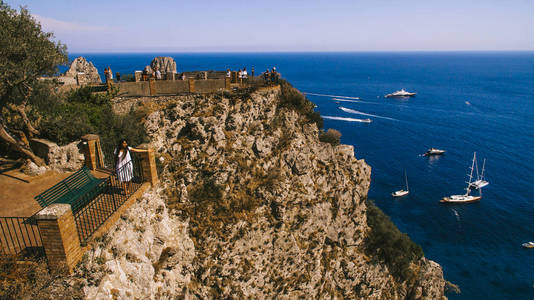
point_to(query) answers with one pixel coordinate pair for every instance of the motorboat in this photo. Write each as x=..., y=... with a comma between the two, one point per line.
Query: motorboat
x=366, y=120
x=402, y=193
x=528, y=245
x=401, y=93
x=434, y=151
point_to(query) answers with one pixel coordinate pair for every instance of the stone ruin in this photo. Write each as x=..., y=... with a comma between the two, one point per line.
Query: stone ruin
x=81, y=72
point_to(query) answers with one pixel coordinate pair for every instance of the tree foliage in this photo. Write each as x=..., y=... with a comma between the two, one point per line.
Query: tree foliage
x=26, y=53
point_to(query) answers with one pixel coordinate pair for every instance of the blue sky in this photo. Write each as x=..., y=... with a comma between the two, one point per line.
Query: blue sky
x=275, y=25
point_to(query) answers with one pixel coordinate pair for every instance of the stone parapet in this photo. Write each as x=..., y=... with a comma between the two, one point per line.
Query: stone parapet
x=59, y=236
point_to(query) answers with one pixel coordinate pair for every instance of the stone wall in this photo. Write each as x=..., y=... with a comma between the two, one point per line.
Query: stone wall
x=169, y=87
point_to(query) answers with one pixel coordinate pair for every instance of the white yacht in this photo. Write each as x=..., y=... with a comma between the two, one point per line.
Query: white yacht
x=401, y=193
x=401, y=93
x=465, y=198
x=434, y=151
x=528, y=245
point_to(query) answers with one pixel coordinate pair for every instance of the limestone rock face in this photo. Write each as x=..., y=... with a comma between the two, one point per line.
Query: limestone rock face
x=30, y=168
x=165, y=64
x=250, y=205
x=81, y=65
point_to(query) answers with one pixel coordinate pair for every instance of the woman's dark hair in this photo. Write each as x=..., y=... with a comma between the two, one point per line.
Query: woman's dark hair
x=119, y=148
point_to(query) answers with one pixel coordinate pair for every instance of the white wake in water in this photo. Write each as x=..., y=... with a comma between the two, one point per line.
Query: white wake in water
x=345, y=119
x=352, y=111
x=325, y=95
x=353, y=101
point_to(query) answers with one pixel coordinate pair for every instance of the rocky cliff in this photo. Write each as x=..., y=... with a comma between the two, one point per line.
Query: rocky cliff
x=251, y=204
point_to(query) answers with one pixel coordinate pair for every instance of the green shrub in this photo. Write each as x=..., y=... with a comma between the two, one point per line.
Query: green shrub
x=390, y=245
x=291, y=98
x=332, y=136
x=65, y=118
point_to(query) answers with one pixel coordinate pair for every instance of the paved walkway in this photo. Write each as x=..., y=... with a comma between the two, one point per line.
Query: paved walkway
x=17, y=191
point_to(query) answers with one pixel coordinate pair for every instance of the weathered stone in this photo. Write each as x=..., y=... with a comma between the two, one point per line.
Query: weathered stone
x=60, y=158
x=30, y=168
x=165, y=64
x=81, y=65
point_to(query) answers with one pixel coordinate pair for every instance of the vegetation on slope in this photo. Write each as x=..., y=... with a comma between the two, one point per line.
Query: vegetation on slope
x=65, y=118
x=391, y=246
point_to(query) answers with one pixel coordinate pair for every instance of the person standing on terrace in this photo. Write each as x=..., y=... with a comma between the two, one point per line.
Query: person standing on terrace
x=123, y=163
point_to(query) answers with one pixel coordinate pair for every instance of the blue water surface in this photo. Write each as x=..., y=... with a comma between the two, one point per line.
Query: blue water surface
x=466, y=102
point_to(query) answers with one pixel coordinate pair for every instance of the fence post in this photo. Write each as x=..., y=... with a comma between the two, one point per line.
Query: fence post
x=152, y=86
x=148, y=165
x=59, y=236
x=191, y=85
x=92, y=151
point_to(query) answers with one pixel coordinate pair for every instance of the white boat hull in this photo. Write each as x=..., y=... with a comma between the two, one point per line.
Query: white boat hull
x=400, y=193
x=479, y=184
x=460, y=199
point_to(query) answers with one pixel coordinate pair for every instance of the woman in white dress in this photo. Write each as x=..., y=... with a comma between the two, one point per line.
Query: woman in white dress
x=123, y=162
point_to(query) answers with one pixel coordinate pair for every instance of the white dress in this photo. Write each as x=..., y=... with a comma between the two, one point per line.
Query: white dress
x=124, y=166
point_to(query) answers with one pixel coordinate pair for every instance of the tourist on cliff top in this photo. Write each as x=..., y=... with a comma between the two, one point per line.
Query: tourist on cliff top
x=123, y=163
x=252, y=72
x=245, y=74
x=118, y=76
x=106, y=74
x=158, y=74
x=183, y=76
x=228, y=73
x=266, y=77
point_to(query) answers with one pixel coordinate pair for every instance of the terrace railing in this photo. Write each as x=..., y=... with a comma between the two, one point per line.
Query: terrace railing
x=96, y=206
x=19, y=238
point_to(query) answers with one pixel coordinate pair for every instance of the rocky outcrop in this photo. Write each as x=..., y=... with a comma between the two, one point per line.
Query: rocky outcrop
x=251, y=205
x=165, y=64
x=88, y=70
x=65, y=158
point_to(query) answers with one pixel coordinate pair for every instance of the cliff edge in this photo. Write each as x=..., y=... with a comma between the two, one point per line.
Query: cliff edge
x=252, y=204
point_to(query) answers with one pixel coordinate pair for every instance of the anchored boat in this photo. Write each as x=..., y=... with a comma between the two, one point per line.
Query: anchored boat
x=480, y=182
x=401, y=93
x=434, y=151
x=402, y=193
x=465, y=198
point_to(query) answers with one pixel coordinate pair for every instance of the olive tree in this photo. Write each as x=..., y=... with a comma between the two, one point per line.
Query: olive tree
x=26, y=53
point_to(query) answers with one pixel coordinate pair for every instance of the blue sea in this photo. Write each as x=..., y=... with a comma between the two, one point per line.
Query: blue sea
x=466, y=102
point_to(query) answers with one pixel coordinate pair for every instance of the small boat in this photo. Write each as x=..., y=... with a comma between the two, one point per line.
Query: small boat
x=366, y=120
x=434, y=151
x=402, y=193
x=465, y=198
x=401, y=93
x=528, y=245
x=480, y=182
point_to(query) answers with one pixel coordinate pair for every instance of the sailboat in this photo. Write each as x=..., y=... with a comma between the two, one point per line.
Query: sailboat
x=465, y=198
x=402, y=192
x=480, y=182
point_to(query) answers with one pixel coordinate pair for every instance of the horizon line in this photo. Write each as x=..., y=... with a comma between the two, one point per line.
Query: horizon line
x=290, y=51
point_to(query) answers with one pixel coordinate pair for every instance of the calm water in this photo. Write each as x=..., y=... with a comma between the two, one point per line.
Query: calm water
x=465, y=102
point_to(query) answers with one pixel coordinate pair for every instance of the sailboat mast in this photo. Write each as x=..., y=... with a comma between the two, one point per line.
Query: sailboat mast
x=406, y=178
x=468, y=188
x=483, y=166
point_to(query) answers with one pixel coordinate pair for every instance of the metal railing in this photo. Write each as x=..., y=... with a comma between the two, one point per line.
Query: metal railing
x=20, y=238
x=93, y=208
